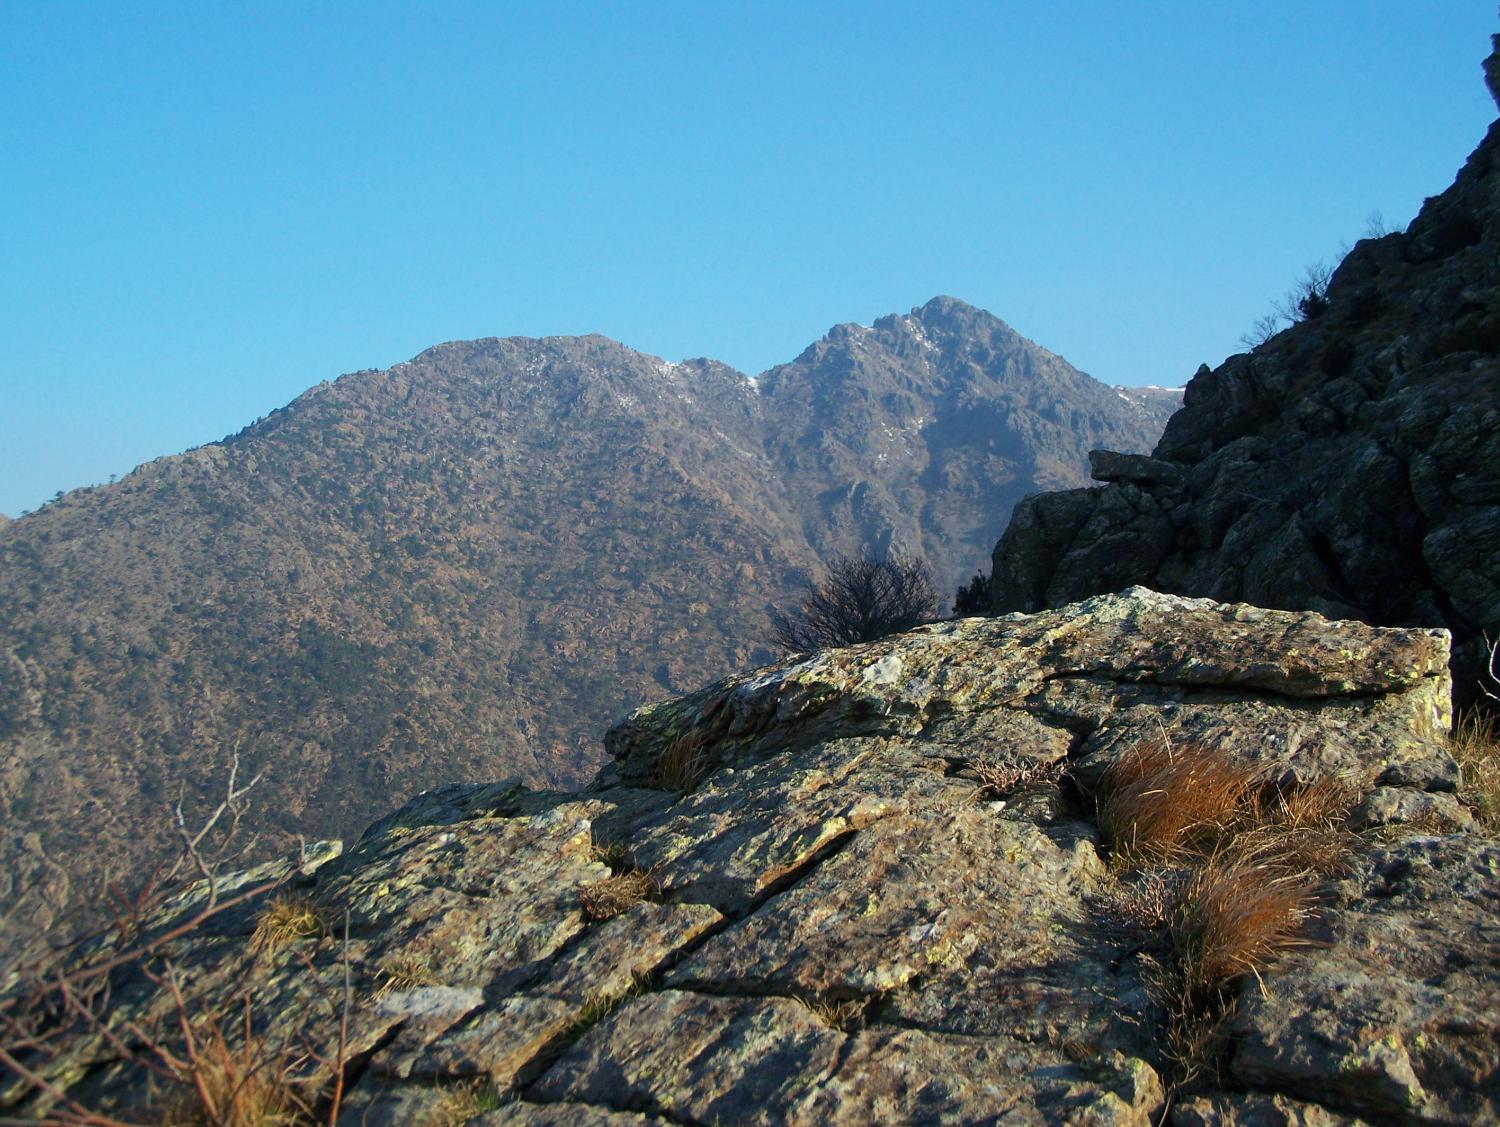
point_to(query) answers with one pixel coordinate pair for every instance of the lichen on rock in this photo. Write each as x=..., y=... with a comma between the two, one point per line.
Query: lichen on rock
x=847, y=924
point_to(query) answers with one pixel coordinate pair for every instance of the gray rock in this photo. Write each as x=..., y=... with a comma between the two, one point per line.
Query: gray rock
x=846, y=924
x=1398, y=1017
x=1349, y=465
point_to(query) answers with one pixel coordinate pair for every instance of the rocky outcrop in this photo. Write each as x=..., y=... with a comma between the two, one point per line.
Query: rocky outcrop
x=805, y=895
x=1347, y=465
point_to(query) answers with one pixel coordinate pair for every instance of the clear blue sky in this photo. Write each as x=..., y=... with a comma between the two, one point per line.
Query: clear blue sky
x=207, y=208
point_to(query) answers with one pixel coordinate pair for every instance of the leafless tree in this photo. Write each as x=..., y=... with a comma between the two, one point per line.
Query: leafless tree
x=861, y=598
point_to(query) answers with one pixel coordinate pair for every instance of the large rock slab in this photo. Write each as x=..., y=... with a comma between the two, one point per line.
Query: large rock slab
x=843, y=924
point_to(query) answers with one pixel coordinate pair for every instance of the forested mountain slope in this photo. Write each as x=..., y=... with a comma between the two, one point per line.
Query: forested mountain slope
x=464, y=566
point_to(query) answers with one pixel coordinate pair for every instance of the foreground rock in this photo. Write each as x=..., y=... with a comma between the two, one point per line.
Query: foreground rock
x=844, y=926
x=1347, y=465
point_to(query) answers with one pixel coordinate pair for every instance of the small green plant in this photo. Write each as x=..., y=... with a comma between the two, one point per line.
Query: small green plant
x=601, y=1003
x=462, y=1102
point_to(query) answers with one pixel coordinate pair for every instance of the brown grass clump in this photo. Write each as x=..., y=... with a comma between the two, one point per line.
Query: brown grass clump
x=287, y=918
x=242, y=1085
x=1232, y=865
x=832, y=1014
x=1158, y=803
x=610, y=897
x=1233, y=918
x=1322, y=805
x=1475, y=744
x=682, y=764
x=1236, y=915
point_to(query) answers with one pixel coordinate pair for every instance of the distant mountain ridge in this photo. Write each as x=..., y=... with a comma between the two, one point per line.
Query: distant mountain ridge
x=465, y=565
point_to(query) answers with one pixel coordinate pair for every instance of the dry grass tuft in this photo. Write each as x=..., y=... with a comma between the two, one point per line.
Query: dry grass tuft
x=1000, y=779
x=287, y=918
x=1235, y=916
x=1322, y=805
x=601, y=1003
x=610, y=897
x=243, y=1085
x=1232, y=866
x=404, y=972
x=1140, y=907
x=1475, y=744
x=1230, y=919
x=462, y=1102
x=682, y=764
x=610, y=853
x=1159, y=803
x=832, y=1014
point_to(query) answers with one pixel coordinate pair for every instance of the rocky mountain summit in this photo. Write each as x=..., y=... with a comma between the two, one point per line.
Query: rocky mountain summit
x=1350, y=464
x=467, y=565
x=884, y=884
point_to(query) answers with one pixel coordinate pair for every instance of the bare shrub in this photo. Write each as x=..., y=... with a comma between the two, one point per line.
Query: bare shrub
x=57, y=999
x=860, y=599
x=246, y=1083
x=1308, y=299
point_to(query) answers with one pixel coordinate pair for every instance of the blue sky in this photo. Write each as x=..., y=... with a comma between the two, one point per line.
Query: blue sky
x=207, y=208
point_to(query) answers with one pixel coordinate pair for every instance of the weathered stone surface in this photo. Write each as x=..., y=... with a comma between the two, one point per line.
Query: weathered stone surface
x=1386, y=806
x=845, y=925
x=1399, y=1016
x=1257, y=1110
x=1347, y=465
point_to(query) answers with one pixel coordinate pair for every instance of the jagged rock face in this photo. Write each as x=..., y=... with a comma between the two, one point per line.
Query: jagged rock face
x=848, y=930
x=468, y=565
x=1348, y=465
